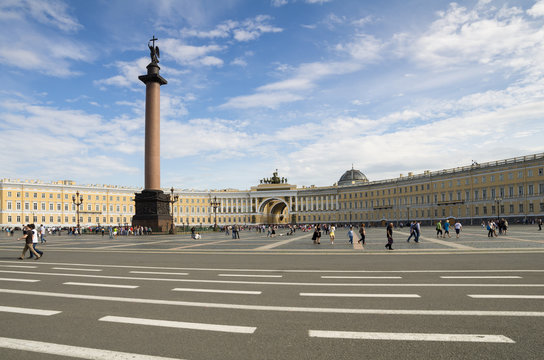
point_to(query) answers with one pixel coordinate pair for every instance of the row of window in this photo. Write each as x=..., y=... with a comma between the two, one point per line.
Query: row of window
x=43, y=207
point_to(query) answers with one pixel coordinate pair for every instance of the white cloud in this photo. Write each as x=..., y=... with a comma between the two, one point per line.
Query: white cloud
x=249, y=29
x=482, y=35
x=537, y=10
x=269, y=100
x=191, y=55
x=32, y=45
x=278, y=3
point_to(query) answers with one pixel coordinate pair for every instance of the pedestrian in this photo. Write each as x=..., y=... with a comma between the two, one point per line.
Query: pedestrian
x=389, y=233
x=362, y=233
x=417, y=230
x=350, y=235
x=34, y=241
x=458, y=228
x=412, y=231
x=317, y=235
x=42, y=234
x=27, y=236
x=539, y=221
x=446, y=229
x=438, y=229
x=331, y=234
x=490, y=229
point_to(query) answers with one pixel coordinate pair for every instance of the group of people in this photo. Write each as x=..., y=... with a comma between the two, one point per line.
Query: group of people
x=493, y=226
x=439, y=233
x=30, y=236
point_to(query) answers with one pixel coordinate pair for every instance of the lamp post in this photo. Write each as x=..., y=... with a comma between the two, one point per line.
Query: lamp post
x=498, y=202
x=173, y=200
x=215, y=204
x=77, y=200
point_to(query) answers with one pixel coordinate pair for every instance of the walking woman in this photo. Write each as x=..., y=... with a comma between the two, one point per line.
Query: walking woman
x=362, y=233
x=317, y=235
x=389, y=236
x=331, y=234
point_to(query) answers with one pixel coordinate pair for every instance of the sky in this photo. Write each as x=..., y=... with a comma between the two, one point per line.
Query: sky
x=308, y=87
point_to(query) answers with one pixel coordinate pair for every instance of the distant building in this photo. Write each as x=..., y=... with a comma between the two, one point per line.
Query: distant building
x=511, y=188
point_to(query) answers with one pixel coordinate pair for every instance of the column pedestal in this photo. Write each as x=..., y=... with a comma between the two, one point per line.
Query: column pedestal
x=153, y=210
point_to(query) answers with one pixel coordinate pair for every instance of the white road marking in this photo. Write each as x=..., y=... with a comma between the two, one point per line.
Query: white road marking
x=157, y=273
x=361, y=277
x=102, y=285
x=293, y=271
x=20, y=266
x=410, y=336
x=72, y=351
x=219, y=291
x=278, y=308
x=481, y=277
x=180, y=324
x=28, y=311
x=75, y=269
x=19, y=280
x=507, y=296
x=361, y=295
x=280, y=243
x=451, y=243
x=249, y=275
x=271, y=282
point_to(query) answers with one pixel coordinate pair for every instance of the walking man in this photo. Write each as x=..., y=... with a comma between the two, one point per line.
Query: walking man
x=389, y=232
x=34, y=240
x=458, y=228
x=27, y=236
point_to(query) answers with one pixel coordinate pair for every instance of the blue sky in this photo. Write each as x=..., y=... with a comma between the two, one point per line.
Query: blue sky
x=308, y=87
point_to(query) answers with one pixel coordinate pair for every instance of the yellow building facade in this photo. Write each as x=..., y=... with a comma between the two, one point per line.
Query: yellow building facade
x=511, y=188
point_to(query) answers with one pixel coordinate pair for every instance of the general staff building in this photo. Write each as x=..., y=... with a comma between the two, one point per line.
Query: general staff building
x=510, y=188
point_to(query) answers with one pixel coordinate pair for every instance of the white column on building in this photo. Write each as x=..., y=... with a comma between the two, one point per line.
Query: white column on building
x=336, y=205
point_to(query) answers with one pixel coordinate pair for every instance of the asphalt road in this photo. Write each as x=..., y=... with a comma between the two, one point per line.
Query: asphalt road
x=281, y=298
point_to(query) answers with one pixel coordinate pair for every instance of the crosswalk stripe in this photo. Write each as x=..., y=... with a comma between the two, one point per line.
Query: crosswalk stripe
x=28, y=311
x=409, y=336
x=278, y=308
x=361, y=295
x=180, y=324
x=250, y=275
x=19, y=280
x=294, y=271
x=73, y=351
x=102, y=285
x=20, y=266
x=75, y=269
x=272, y=282
x=361, y=277
x=158, y=273
x=507, y=296
x=481, y=277
x=219, y=291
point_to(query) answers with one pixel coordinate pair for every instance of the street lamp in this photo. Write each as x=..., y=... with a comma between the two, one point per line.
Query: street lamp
x=77, y=200
x=215, y=204
x=498, y=201
x=172, y=201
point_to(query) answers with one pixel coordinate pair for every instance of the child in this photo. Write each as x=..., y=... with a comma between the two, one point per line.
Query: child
x=350, y=235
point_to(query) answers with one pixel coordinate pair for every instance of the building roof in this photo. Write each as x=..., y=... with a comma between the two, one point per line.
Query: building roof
x=352, y=177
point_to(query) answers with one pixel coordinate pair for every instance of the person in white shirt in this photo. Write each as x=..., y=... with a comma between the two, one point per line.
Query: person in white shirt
x=35, y=241
x=42, y=234
x=458, y=228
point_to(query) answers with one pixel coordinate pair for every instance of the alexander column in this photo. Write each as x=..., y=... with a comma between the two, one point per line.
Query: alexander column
x=152, y=204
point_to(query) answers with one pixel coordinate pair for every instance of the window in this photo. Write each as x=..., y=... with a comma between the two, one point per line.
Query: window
x=520, y=190
x=9, y=205
x=9, y=218
x=484, y=194
x=475, y=195
x=540, y=171
x=530, y=189
x=483, y=179
x=520, y=208
x=492, y=178
x=43, y=195
x=520, y=174
x=485, y=210
x=35, y=195
x=531, y=207
x=18, y=205
x=530, y=172
x=35, y=206
x=510, y=191
x=9, y=193
x=511, y=208
x=27, y=206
